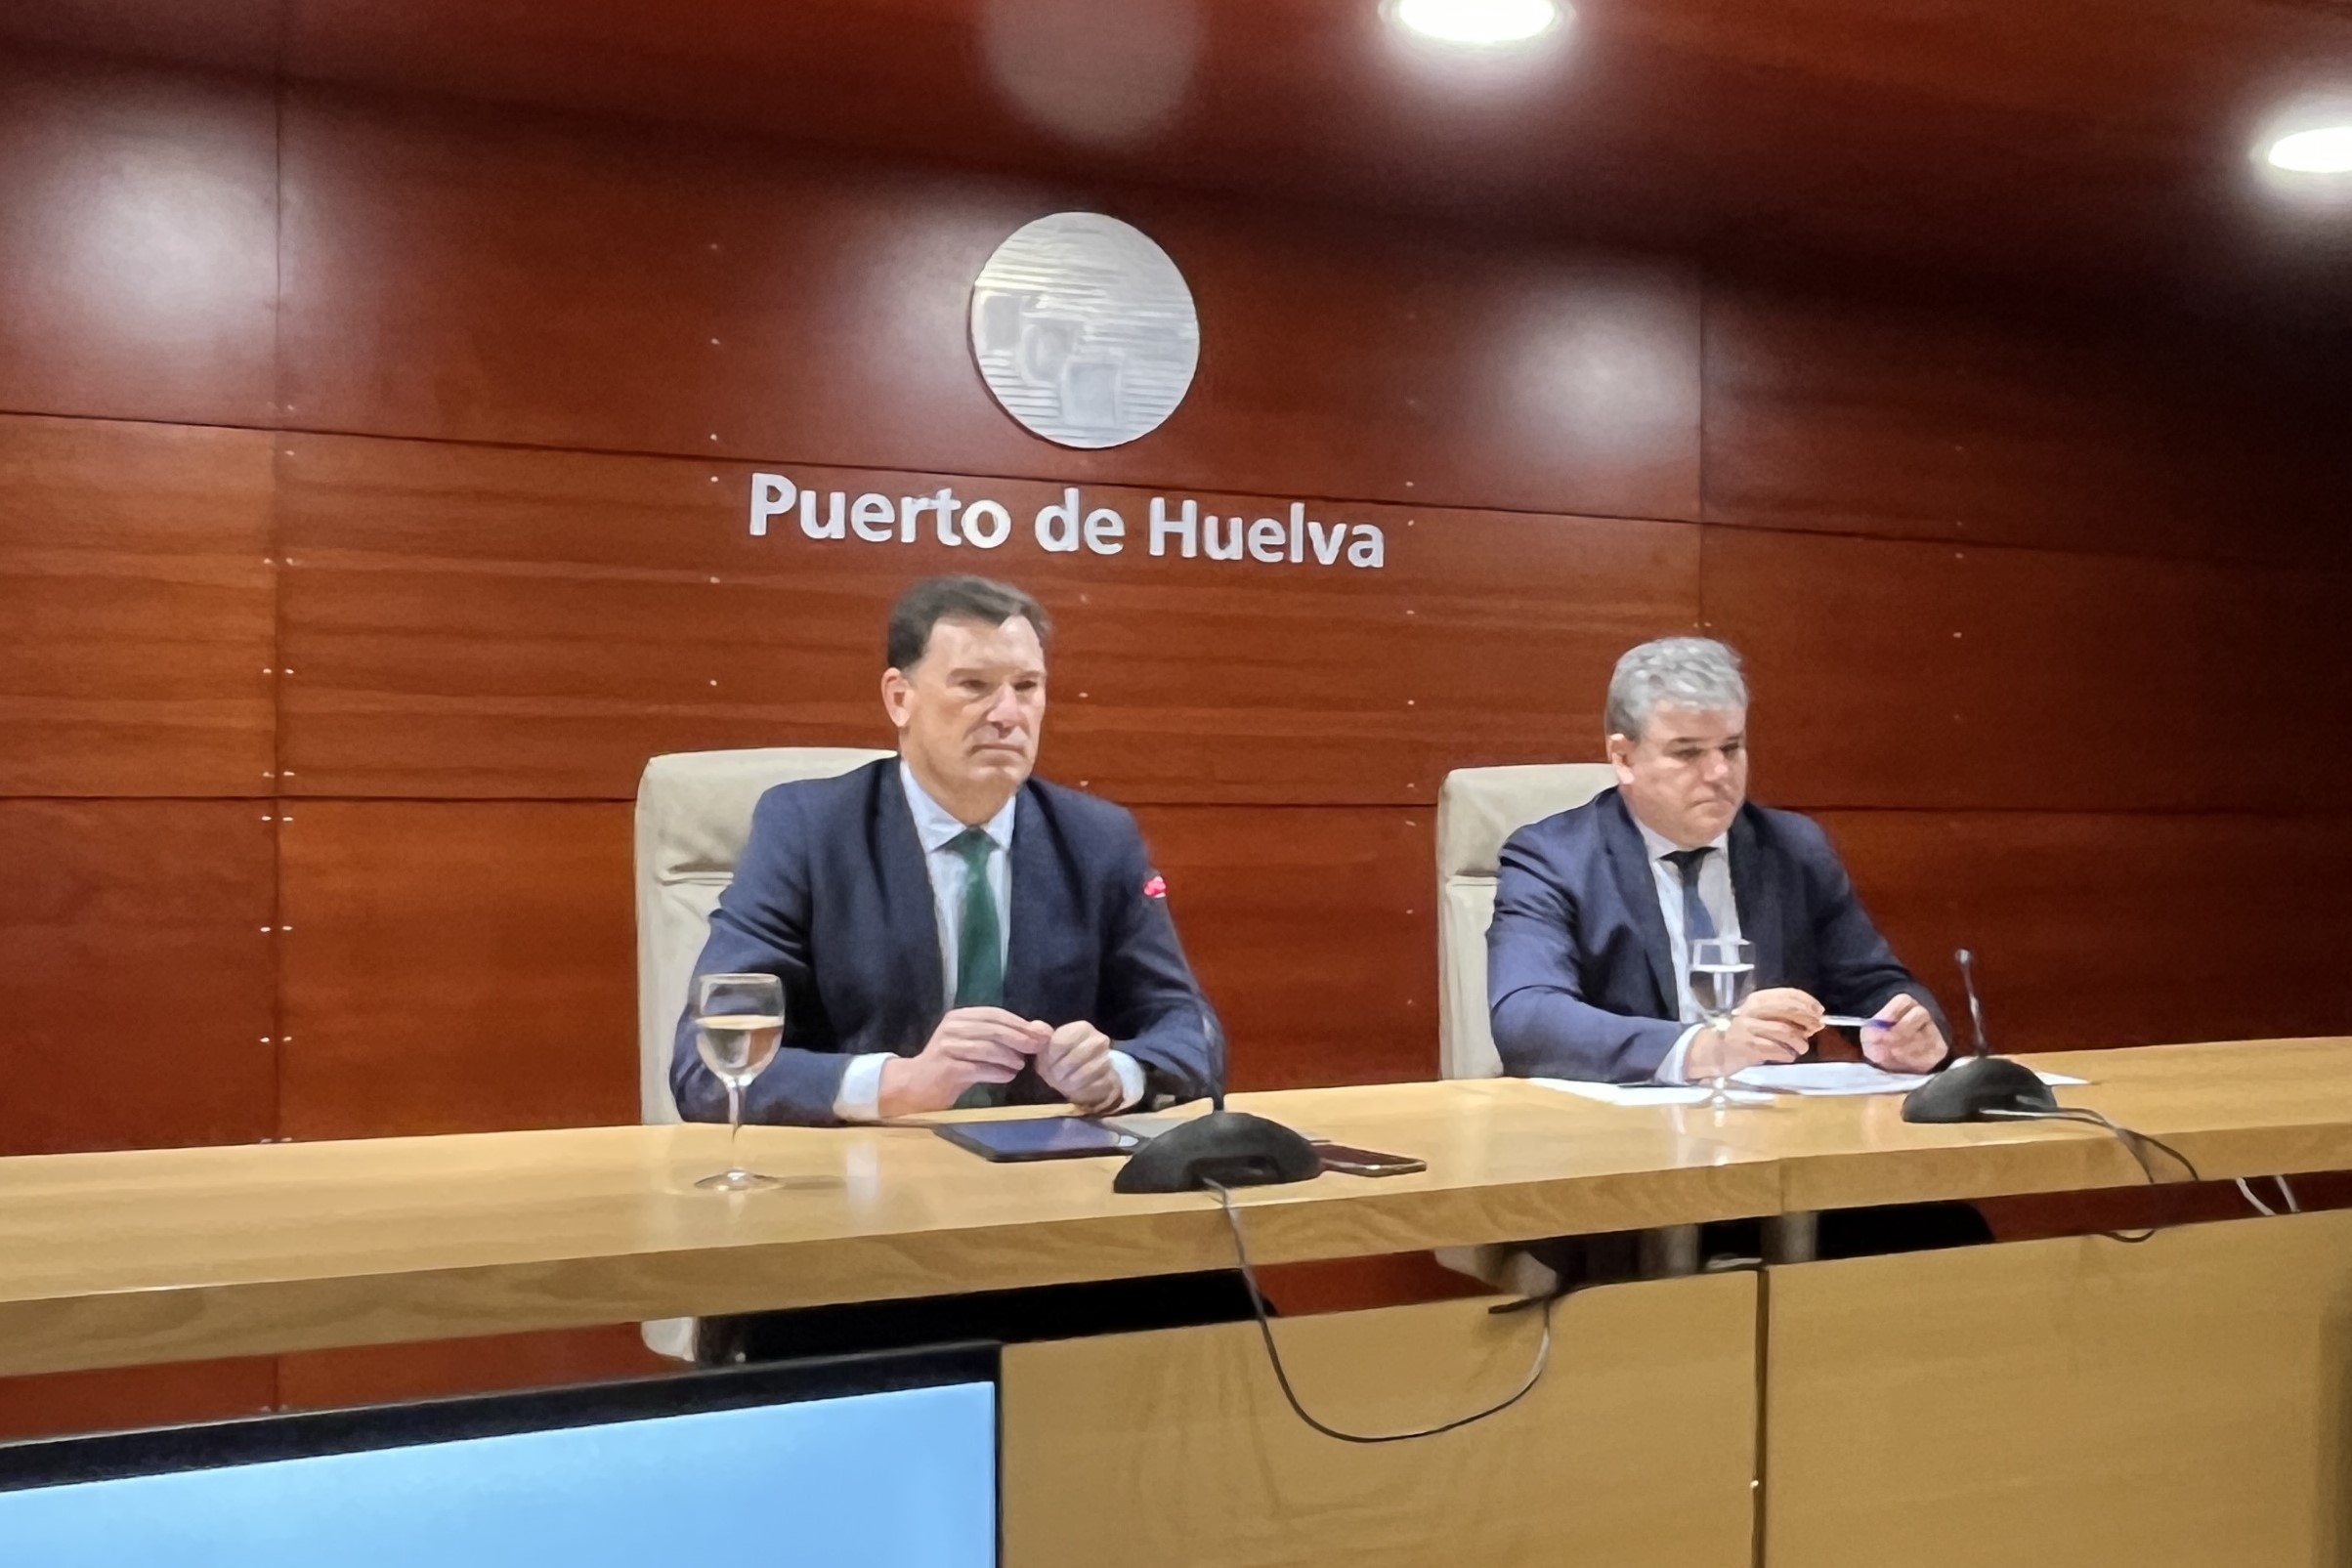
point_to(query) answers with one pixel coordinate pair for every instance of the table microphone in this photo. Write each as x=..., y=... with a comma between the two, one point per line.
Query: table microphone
x=1223, y=1148
x=1980, y=1088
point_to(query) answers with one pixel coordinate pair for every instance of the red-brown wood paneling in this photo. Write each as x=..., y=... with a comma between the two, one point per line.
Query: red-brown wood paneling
x=383, y=1375
x=137, y=976
x=1314, y=932
x=1359, y=1283
x=136, y=651
x=485, y=274
x=223, y=35
x=476, y=621
x=2087, y=145
x=2082, y=1213
x=2000, y=574
x=63, y=1404
x=471, y=966
x=456, y=968
x=139, y=259
x=1929, y=675
x=1936, y=419
x=2098, y=930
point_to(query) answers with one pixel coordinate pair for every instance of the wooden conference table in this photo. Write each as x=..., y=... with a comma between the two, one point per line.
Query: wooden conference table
x=2185, y=1401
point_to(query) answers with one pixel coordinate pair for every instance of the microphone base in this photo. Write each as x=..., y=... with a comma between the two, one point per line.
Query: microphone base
x=1229, y=1148
x=1969, y=1089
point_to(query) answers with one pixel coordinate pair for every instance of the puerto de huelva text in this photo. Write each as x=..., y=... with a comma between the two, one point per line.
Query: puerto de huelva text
x=1178, y=527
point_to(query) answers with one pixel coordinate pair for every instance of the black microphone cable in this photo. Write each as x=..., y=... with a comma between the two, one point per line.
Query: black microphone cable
x=2135, y=1143
x=1265, y=1331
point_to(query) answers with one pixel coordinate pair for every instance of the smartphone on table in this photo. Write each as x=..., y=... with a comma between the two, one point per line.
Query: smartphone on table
x=1348, y=1160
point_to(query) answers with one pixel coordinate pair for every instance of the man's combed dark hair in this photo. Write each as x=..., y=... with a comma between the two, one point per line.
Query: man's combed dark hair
x=937, y=599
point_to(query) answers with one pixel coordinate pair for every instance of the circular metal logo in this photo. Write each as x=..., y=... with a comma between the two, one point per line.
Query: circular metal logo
x=1085, y=330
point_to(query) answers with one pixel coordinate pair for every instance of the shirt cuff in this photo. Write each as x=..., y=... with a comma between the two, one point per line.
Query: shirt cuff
x=1131, y=1078
x=861, y=1097
x=1670, y=1070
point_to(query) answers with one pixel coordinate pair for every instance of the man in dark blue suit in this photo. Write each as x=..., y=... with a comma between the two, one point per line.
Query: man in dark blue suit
x=1595, y=908
x=953, y=932
x=949, y=929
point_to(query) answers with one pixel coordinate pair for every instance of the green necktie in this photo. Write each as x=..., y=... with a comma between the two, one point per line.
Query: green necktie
x=980, y=937
x=979, y=948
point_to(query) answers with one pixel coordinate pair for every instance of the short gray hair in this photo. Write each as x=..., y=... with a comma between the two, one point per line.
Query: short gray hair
x=1693, y=672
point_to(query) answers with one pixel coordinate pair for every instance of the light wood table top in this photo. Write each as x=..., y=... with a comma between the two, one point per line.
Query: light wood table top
x=2242, y=1108
x=112, y=1259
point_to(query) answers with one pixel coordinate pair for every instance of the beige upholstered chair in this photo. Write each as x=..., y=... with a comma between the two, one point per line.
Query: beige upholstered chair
x=694, y=810
x=1477, y=810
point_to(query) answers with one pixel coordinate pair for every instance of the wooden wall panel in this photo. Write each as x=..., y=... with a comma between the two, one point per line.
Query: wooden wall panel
x=136, y=651
x=1924, y=675
x=137, y=977
x=483, y=273
x=456, y=968
x=2088, y=147
x=1934, y=419
x=471, y=966
x=382, y=1375
x=601, y=330
x=1313, y=931
x=483, y=622
x=2039, y=1216
x=139, y=262
x=2094, y=930
x=227, y=34
x=63, y=1404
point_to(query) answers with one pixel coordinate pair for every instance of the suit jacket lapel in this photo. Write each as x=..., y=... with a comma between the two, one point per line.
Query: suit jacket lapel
x=1754, y=891
x=910, y=914
x=1637, y=885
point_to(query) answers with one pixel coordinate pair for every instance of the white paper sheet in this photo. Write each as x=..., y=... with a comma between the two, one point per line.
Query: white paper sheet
x=1627, y=1093
x=1825, y=1078
x=1850, y=1078
x=1147, y=1125
x=1829, y=1079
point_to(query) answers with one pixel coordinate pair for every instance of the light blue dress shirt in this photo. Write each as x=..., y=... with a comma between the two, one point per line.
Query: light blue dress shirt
x=936, y=828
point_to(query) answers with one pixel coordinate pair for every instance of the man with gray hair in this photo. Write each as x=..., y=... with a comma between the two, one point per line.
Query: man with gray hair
x=1597, y=909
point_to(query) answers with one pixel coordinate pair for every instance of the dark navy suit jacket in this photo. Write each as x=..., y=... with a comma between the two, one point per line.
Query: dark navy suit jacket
x=832, y=894
x=1579, y=977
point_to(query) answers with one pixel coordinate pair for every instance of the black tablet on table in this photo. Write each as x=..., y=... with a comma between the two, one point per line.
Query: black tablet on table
x=1048, y=1137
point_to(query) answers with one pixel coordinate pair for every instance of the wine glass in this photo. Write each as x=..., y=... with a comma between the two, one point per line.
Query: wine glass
x=1723, y=975
x=738, y=1023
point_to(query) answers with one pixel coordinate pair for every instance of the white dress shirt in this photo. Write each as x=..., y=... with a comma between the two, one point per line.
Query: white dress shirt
x=1723, y=908
x=935, y=828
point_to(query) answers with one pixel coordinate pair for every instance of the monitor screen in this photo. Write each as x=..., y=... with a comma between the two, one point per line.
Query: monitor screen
x=873, y=1460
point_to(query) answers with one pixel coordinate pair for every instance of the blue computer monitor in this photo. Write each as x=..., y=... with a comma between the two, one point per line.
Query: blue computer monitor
x=885, y=1462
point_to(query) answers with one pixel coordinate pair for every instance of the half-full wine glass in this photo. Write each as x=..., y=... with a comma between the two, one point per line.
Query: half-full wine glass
x=1723, y=975
x=737, y=1022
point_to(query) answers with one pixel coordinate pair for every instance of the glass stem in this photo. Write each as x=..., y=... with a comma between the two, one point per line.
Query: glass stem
x=735, y=1124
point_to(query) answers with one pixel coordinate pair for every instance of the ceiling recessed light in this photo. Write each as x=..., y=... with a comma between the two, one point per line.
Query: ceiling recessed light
x=2323, y=149
x=1483, y=22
